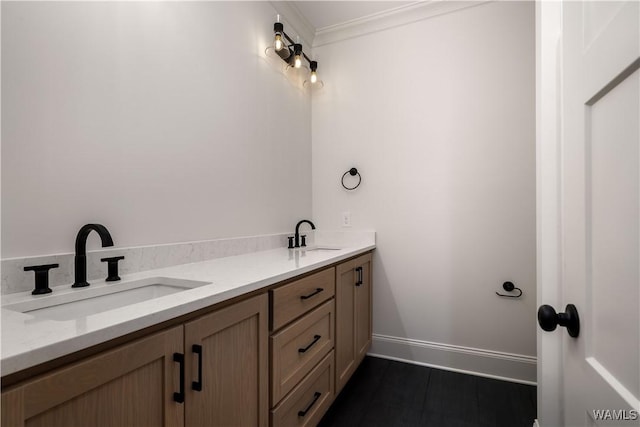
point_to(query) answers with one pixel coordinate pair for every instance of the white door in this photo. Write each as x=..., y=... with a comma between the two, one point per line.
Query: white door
x=599, y=191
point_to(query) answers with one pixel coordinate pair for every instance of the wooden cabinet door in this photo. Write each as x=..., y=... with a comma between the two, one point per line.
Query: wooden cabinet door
x=234, y=383
x=353, y=316
x=131, y=385
x=345, y=323
x=363, y=304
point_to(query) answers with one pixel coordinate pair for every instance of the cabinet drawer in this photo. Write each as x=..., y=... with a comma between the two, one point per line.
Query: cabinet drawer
x=299, y=347
x=308, y=402
x=293, y=300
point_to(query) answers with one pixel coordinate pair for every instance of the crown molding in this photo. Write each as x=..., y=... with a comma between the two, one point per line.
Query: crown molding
x=396, y=17
x=291, y=16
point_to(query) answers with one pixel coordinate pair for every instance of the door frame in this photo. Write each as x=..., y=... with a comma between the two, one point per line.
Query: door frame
x=548, y=205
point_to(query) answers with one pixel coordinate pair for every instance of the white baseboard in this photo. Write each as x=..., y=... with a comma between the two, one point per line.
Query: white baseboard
x=485, y=363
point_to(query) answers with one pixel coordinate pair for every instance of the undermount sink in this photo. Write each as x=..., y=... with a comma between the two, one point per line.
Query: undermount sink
x=77, y=303
x=321, y=248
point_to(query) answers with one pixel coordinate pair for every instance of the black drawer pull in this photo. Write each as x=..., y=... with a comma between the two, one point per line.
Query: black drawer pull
x=316, y=396
x=197, y=385
x=315, y=340
x=179, y=396
x=316, y=292
x=359, y=276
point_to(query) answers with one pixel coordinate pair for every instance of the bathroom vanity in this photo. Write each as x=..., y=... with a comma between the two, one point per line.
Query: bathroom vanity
x=271, y=345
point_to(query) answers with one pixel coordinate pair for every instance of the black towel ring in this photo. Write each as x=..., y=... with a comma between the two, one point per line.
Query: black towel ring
x=352, y=172
x=509, y=286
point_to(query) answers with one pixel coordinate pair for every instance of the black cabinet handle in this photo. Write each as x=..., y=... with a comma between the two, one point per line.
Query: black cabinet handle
x=316, y=292
x=316, y=396
x=359, y=276
x=197, y=385
x=315, y=340
x=179, y=396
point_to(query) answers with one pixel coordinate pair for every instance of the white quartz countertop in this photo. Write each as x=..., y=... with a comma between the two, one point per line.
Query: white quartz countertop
x=28, y=341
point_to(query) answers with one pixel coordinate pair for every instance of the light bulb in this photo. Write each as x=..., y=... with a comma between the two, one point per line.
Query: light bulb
x=314, y=75
x=278, y=30
x=297, y=55
x=278, y=43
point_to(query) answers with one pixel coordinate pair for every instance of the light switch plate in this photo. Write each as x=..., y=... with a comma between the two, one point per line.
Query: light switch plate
x=346, y=219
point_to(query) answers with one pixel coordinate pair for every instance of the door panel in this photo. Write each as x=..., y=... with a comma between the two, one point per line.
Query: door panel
x=111, y=404
x=363, y=308
x=234, y=366
x=131, y=385
x=345, y=323
x=600, y=205
x=612, y=227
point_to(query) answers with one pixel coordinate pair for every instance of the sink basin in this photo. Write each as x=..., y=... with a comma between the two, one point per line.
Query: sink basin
x=77, y=303
x=320, y=248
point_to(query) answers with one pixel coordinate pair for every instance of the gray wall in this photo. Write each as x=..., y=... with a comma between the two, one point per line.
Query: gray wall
x=439, y=117
x=162, y=120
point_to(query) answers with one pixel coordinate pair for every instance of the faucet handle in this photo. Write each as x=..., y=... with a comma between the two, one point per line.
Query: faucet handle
x=42, y=277
x=112, y=268
x=303, y=240
x=290, y=242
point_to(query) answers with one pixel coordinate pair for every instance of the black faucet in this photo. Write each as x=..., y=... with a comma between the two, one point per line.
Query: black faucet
x=313, y=227
x=80, y=260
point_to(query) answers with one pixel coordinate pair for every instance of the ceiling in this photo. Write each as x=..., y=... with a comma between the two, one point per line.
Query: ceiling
x=322, y=14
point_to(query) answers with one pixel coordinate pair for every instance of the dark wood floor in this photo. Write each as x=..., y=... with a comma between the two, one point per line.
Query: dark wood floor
x=386, y=393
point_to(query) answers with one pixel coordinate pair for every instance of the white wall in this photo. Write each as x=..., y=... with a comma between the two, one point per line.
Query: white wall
x=161, y=120
x=439, y=117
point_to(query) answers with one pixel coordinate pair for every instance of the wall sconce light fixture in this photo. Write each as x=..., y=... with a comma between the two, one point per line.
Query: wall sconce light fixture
x=291, y=53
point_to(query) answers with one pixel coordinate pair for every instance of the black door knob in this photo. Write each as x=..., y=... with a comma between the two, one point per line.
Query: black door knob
x=548, y=319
